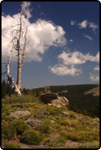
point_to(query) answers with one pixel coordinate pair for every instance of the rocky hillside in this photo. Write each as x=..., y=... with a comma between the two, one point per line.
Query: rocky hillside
x=95, y=91
x=29, y=123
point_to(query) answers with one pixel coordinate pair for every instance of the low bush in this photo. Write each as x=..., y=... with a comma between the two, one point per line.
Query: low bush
x=10, y=146
x=61, y=139
x=20, y=126
x=74, y=137
x=45, y=128
x=65, y=123
x=31, y=137
x=8, y=132
x=55, y=111
x=72, y=116
x=82, y=136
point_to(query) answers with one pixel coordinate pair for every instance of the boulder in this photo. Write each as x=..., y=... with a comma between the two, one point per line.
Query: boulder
x=57, y=103
x=19, y=114
x=48, y=97
x=54, y=99
x=64, y=100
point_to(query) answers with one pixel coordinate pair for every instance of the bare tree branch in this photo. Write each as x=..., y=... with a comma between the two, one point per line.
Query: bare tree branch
x=3, y=73
x=16, y=25
x=4, y=63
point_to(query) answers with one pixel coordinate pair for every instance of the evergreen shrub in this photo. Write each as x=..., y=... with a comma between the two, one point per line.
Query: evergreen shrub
x=31, y=137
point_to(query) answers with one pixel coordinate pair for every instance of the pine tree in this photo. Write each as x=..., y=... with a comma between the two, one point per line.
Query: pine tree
x=3, y=88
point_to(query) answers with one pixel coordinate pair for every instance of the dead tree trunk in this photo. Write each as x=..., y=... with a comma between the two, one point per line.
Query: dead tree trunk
x=19, y=53
x=17, y=87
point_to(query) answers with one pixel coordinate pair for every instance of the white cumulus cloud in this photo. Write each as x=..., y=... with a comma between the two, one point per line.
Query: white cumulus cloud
x=76, y=57
x=26, y=10
x=96, y=68
x=71, y=40
x=62, y=70
x=94, y=77
x=93, y=26
x=41, y=35
x=87, y=36
x=72, y=22
x=68, y=60
x=83, y=24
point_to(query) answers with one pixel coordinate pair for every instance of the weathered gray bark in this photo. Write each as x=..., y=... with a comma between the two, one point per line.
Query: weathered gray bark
x=19, y=53
x=10, y=79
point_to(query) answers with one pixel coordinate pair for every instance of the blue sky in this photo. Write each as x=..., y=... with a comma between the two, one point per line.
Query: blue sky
x=63, y=46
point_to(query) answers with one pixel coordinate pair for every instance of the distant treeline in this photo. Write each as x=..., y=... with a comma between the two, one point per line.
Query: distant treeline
x=78, y=101
x=5, y=90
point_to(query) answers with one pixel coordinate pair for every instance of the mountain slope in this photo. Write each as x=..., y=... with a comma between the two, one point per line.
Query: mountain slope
x=95, y=91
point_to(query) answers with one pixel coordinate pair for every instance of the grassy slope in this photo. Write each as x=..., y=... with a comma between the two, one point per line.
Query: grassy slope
x=78, y=128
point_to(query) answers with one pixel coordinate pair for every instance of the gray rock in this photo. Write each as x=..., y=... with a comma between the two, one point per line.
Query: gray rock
x=46, y=113
x=96, y=119
x=3, y=125
x=52, y=121
x=40, y=113
x=45, y=109
x=14, y=137
x=76, y=116
x=32, y=122
x=3, y=145
x=69, y=123
x=20, y=106
x=54, y=136
x=19, y=114
x=66, y=114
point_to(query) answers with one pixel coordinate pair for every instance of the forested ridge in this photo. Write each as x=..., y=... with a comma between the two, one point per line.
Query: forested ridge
x=78, y=101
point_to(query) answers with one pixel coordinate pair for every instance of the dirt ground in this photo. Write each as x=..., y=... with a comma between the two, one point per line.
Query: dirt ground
x=22, y=145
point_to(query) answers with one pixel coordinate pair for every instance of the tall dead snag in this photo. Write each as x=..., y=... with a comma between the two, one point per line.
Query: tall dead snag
x=20, y=63
x=17, y=87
